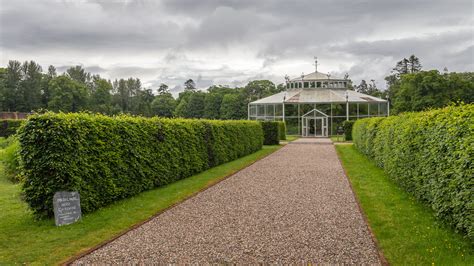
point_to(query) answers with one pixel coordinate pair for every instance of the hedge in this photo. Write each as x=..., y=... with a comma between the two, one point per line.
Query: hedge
x=282, y=130
x=107, y=159
x=347, y=125
x=271, y=132
x=9, y=127
x=429, y=154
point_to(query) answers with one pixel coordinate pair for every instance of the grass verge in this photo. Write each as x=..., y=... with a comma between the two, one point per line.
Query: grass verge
x=406, y=230
x=291, y=138
x=26, y=241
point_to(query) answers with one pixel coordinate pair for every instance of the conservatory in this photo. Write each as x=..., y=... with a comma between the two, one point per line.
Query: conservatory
x=314, y=105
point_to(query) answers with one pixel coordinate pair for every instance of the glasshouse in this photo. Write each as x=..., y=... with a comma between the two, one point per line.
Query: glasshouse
x=314, y=105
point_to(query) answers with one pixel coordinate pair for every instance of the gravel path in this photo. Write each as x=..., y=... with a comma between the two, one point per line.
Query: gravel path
x=294, y=206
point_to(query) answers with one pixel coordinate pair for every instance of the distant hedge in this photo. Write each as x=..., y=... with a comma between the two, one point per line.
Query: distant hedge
x=271, y=132
x=282, y=130
x=347, y=125
x=430, y=155
x=107, y=159
x=9, y=126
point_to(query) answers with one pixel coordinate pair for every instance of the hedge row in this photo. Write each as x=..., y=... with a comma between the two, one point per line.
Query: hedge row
x=430, y=155
x=347, y=125
x=271, y=132
x=107, y=159
x=282, y=130
x=9, y=126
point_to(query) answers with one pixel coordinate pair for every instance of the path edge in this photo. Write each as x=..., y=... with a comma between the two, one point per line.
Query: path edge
x=79, y=255
x=382, y=258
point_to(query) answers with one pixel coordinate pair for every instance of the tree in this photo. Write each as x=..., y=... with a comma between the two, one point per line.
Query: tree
x=30, y=89
x=189, y=85
x=79, y=74
x=414, y=64
x=258, y=89
x=213, y=100
x=233, y=107
x=163, y=89
x=67, y=95
x=163, y=105
x=430, y=89
x=101, y=97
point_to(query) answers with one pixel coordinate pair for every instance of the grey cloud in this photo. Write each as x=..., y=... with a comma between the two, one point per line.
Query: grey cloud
x=172, y=40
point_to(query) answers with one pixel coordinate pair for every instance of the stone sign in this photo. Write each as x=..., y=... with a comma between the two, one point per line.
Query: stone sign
x=67, y=207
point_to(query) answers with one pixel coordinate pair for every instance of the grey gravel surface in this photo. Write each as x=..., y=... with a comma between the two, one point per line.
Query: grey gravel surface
x=294, y=206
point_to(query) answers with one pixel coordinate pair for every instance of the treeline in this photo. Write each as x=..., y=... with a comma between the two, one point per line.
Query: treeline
x=25, y=87
x=410, y=88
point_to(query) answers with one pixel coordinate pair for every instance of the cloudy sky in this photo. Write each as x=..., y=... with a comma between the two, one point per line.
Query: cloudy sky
x=231, y=42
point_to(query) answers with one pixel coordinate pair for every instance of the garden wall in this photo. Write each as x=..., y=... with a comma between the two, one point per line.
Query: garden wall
x=430, y=155
x=107, y=159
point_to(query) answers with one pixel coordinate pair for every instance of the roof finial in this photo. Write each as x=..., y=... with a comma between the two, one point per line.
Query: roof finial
x=316, y=63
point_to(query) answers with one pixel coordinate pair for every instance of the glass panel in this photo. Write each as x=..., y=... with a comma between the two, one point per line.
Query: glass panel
x=260, y=110
x=253, y=110
x=374, y=109
x=352, y=109
x=278, y=109
x=318, y=84
x=270, y=111
x=291, y=110
x=304, y=108
x=336, y=122
x=306, y=84
x=338, y=109
x=383, y=108
x=312, y=84
x=363, y=107
x=325, y=108
x=292, y=126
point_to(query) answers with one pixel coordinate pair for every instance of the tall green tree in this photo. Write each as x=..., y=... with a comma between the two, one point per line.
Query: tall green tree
x=67, y=95
x=430, y=89
x=163, y=89
x=78, y=73
x=164, y=105
x=189, y=85
x=233, y=107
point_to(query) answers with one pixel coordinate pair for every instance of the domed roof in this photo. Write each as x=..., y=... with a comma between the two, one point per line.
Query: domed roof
x=317, y=76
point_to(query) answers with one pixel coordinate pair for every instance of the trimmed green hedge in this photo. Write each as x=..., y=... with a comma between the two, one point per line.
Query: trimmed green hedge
x=107, y=159
x=347, y=125
x=9, y=126
x=430, y=155
x=271, y=132
x=282, y=130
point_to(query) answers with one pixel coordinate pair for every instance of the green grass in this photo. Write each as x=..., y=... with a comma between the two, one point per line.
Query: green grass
x=24, y=240
x=291, y=137
x=340, y=138
x=406, y=230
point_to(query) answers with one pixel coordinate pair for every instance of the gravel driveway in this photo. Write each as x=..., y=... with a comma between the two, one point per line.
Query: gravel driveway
x=294, y=206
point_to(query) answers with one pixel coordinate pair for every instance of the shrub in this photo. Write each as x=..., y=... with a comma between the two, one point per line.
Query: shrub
x=271, y=134
x=429, y=154
x=9, y=126
x=347, y=125
x=282, y=129
x=107, y=159
x=9, y=158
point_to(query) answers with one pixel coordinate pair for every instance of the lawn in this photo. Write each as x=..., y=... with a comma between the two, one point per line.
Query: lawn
x=406, y=230
x=291, y=137
x=26, y=241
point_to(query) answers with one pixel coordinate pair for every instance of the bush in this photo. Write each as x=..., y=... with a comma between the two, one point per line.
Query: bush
x=347, y=125
x=9, y=158
x=271, y=134
x=429, y=154
x=282, y=129
x=107, y=159
x=9, y=126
